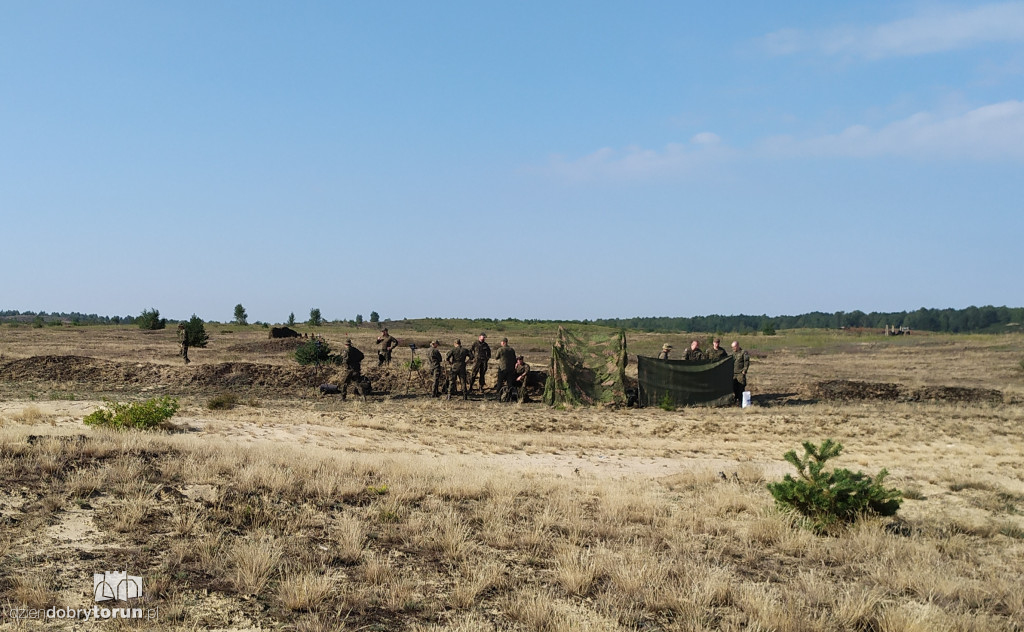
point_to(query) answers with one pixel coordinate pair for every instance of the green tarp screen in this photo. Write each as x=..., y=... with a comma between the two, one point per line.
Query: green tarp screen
x=685, y=382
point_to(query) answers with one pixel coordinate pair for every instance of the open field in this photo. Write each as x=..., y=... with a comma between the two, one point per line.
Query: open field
x=295, y=511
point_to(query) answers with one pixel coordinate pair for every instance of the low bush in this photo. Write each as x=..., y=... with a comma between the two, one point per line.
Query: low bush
x=831, y=500
x=224, y=401
x=666, y=403
x=315, y=351
x=148, y=415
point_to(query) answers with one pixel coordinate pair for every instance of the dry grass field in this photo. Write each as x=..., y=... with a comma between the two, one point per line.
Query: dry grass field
x=293, y=511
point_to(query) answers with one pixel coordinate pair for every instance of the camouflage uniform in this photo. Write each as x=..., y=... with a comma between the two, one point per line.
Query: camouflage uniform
x=739, y=372
x=387, y=342
x=183, y=342
x=716, y=354
x=481, y=352
x=457, y=356
x=506, y=359
x=434, y=361
x=665, y=350
x=694, y=354
x=351, y=372
x=522, y=377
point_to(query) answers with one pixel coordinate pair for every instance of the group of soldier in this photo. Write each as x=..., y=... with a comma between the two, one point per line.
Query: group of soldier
x=465, y=367
x=716, y=352
x=512, y=369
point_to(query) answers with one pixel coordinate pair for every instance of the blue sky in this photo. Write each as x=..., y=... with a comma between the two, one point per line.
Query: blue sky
x=531, y=159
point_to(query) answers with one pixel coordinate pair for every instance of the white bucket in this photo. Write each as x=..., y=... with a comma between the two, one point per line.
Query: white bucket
x=746, y=399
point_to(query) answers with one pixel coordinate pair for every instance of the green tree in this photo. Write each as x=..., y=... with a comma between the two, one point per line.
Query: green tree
x=374, y=317
x=831, y=500
x=195, y=332
x=291, y=319
x=150, y=319
x=315, y=320
x=359, y=320
x=240, y=316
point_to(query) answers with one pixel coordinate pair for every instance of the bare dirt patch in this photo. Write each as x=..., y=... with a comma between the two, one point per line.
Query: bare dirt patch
x=850, y=390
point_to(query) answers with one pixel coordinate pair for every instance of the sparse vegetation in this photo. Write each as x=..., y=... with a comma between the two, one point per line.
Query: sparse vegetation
x=148, y=415
x=413, y=514
x=832, y=499
x=224, y=401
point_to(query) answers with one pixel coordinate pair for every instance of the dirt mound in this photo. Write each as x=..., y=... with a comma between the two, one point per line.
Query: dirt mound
x=845, y=390
x=116, y=375
x=268, y=347
x=956, y=394
x=848, y=390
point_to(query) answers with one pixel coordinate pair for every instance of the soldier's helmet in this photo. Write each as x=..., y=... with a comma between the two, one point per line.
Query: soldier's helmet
x=348, y=342
x=666, y=347
x=434, y=343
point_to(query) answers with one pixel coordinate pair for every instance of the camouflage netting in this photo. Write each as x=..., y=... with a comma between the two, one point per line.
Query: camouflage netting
x=586, y=372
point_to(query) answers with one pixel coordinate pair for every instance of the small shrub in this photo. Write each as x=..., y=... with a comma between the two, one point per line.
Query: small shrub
x=831, y=500
x=313, y=352
x=148, y=415
x=224, y=401
x=414, y=364
x=666, y=403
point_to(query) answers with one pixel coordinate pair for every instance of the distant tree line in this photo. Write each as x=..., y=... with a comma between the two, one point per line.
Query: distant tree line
x=13, y=315
x=986, y=319
x=969, y=320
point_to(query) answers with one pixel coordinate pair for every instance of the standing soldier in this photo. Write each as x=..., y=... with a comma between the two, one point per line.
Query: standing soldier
x=481, y=353
x=716, y=352
x=506, y=358
x=694, y=352
x=739, y=371
x=457, y=357
x=183, y=342
x=387, y=342
x=665, y=350
x=351, y=372
x=434, y=360
x=522, y=377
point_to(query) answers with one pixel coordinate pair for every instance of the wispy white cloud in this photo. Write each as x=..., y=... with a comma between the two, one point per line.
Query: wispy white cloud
x=639, y=163
x=990, y=133
x=931, y=32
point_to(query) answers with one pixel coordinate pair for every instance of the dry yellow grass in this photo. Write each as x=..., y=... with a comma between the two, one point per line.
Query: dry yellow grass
x=305, y=513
